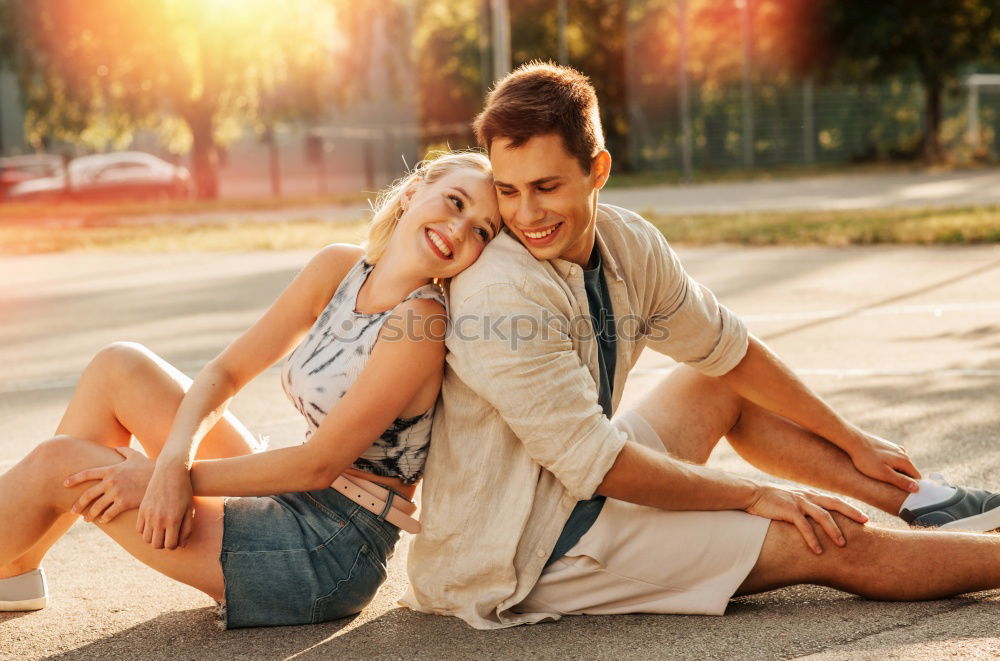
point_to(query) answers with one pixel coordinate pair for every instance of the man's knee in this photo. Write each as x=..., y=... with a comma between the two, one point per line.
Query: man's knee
x=785, y=550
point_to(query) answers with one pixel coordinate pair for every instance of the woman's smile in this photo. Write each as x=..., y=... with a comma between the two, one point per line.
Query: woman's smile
x=441, y=246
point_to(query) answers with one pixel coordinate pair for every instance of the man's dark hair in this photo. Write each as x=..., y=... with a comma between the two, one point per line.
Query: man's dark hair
x=541, y=98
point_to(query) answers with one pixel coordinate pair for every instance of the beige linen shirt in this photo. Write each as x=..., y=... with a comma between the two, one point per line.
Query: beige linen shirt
x=519, y=436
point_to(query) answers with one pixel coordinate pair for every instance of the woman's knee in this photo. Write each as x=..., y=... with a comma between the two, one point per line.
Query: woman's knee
x=56, y=458
x=121, y=359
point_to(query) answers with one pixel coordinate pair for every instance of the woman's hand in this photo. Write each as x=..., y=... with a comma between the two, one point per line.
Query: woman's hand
x=796, y=506
x=120, y=487
x=166, y=512
x=885, y=461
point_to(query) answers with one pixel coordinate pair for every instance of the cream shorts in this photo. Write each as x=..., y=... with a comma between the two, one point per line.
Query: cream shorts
x=638, y=559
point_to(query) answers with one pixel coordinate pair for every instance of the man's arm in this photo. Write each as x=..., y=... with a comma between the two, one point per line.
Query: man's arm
x=762, y=378
x=539, y=386
x=690, y=326
x=646, y=477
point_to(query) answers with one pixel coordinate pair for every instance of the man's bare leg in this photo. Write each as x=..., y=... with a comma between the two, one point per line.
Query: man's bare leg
x=691, y=413
x=878, y=563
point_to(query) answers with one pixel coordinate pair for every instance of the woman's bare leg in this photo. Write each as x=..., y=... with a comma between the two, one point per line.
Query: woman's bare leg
x=32, y=500
x=128, y=390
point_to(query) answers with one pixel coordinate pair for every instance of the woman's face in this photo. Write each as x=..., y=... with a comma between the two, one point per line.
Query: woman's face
x=449, y=222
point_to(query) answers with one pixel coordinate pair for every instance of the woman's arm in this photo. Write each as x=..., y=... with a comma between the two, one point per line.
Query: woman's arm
x=408, y=355
x=165, y=515
x=271, y=337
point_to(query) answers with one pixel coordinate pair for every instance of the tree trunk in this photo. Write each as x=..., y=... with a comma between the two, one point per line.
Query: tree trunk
x=205, y=155
x=932, y=122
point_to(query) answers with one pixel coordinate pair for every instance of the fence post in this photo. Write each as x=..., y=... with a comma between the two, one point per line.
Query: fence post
x=808, y=121
x=484, y=47
x=682, y=96
x=370, y=165
x=748, y=138
x=563, y=52
x=275, y=164
x=501, y=39
x=973, y=112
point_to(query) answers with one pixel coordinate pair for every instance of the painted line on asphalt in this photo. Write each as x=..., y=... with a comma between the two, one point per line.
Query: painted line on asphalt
x=862, y=372
x=938, y=310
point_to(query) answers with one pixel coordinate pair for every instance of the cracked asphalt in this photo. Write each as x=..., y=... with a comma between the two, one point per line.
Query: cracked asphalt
x=905, y=341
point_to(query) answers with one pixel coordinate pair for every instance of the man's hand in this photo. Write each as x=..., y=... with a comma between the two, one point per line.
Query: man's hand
x=796, y=506
x=119, y=487
x=167, y=510
x=884, y=461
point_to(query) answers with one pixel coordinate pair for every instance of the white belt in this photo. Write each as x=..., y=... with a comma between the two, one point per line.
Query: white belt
x=379, y=500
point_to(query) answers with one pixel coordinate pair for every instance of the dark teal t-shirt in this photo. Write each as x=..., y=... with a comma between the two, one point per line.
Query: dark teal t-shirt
x=603, y=319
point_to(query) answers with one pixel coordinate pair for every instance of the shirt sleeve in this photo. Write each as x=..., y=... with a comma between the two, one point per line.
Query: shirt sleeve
x=686, y=322
x=515, y=353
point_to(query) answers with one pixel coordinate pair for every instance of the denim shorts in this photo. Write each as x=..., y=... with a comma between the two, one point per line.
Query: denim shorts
x=301, y=558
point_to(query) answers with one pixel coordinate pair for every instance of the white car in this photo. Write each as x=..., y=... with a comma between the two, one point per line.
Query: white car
x=113, y=176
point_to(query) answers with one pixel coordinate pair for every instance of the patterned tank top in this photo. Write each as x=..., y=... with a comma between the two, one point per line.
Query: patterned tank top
x=325, y=365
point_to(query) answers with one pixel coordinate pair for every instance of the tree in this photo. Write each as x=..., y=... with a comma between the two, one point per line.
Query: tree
x=196, y=71
x=449, y=71
x=934, y=38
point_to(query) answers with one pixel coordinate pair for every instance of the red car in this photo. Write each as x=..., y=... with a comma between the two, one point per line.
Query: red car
x=113, y=176
x=17, y=169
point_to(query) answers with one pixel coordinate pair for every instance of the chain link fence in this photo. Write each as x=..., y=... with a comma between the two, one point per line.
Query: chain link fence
x=805, y=124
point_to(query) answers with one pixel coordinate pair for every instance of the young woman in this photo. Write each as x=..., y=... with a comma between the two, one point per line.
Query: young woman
x=306, y=531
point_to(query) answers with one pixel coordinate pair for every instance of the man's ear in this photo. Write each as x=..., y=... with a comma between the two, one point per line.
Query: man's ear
x=601, y=167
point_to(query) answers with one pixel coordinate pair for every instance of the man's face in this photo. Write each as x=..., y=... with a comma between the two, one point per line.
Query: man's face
x=546, y=199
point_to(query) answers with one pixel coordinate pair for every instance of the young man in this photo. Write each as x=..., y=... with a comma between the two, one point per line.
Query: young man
x=542, y=500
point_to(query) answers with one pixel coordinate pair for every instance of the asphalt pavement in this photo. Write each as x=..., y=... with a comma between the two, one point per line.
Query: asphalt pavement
x=905, y=341
x=956, y=188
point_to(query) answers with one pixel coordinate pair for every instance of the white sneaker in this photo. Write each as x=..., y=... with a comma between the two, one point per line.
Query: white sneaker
x=25, y=592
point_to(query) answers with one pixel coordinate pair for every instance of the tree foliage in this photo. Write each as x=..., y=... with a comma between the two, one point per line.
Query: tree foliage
x=196, y=71
x=935, y=39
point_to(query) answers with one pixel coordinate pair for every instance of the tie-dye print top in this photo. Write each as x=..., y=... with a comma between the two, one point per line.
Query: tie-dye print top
x=325, y=365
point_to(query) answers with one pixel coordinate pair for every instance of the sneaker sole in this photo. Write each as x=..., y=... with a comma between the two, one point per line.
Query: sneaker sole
x=984, y=522
x=24, y=604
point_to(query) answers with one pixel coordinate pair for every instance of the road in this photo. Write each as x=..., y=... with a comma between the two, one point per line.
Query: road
x=905, y=341
x=816, y=193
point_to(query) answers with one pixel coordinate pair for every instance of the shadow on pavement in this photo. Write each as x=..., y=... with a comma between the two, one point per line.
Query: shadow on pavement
x=788, y=622
x=896, y=298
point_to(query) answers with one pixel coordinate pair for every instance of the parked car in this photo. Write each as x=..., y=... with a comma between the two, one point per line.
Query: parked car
x=113, y=176
x=17, y=169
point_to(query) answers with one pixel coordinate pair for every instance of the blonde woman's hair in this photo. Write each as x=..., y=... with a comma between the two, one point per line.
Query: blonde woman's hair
x=388, y=208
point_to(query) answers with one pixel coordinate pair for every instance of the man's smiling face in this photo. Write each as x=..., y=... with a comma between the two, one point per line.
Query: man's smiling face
x=546, y=199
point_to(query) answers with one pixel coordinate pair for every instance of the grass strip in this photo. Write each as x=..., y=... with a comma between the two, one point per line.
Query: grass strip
x=102, y=212
x=824, y=228
x=836, y=228
x=180, y=237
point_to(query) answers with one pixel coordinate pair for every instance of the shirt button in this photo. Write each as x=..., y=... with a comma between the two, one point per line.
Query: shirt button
x=541, y=553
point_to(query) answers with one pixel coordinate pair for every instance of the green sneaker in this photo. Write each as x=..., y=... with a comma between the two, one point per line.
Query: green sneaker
x=25, y=592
